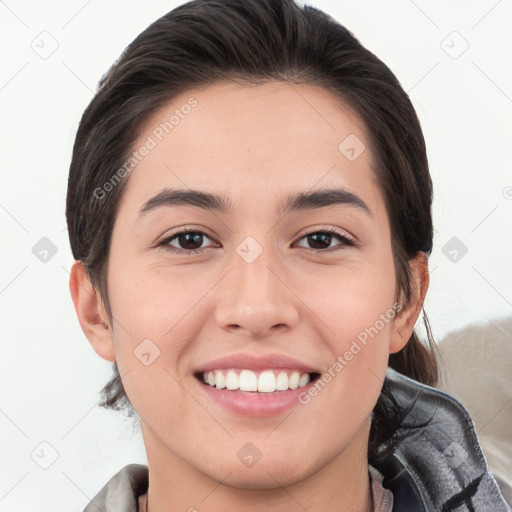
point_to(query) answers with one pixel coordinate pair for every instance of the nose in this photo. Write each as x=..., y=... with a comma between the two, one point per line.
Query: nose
x=256, y=298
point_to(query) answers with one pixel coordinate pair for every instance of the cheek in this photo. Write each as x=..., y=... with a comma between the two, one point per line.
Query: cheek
x=156, y=303
x=358, y=308
x=352, y=298
x=153, y=327
x=349, y=387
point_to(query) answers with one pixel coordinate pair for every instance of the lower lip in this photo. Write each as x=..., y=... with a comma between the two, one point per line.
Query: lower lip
x=252, y=403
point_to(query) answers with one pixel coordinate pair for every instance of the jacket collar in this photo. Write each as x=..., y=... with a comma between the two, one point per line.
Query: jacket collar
x=440, y=466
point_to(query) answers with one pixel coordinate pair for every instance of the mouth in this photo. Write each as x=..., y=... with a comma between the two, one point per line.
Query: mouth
x=264, y=393
x=267, y=381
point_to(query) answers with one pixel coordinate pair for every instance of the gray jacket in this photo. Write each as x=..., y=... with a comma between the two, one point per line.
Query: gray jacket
x=438, y=468
x=441, y=467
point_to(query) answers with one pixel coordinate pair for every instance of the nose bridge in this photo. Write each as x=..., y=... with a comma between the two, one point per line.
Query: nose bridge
x=252, y=274
x=254, y=297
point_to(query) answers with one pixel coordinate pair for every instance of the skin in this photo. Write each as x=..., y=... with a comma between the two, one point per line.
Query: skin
x=254, y=144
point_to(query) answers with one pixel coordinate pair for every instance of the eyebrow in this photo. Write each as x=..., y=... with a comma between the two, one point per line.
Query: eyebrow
x=296, y=201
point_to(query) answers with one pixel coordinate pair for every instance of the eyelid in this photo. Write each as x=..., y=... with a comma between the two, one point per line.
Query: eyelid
x=165, y=239
x=340, y=232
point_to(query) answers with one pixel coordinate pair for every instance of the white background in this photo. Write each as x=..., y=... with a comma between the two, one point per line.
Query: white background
x=49, y=375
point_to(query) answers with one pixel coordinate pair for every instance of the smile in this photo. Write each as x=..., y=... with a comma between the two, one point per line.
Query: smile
x=266, y=381
x=251, y=393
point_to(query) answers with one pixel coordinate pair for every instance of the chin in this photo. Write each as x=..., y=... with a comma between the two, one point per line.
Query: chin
x=270, y=474
x=268, y=478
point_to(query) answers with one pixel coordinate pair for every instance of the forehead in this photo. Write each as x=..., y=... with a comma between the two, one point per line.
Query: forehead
x=250, y=140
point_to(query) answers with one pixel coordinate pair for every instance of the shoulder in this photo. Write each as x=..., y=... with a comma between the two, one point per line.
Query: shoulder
x=121, y=492
x=438, y=457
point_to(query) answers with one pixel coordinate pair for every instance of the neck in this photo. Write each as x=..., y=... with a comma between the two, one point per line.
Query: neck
x=340, y=485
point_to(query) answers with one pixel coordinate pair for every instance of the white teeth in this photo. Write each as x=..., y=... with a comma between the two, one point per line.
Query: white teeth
x=220, y=381
x=248, y=381
x=281, y=381
x=293, y=381
x=268, y=381
x=231, y=380
x=304, y=379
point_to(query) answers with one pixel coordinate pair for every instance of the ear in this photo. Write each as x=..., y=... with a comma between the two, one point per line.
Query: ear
x=91, y=312
x=404, y=321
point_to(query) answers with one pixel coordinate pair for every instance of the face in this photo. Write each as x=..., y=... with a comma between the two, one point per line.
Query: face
x=265, y=291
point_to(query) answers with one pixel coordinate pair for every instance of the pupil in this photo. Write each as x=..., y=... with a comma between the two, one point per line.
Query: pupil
x=190, y=238
x=314, y=238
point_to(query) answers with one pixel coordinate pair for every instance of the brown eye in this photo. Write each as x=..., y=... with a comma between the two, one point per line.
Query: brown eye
x=187, y=241
x=319, y=241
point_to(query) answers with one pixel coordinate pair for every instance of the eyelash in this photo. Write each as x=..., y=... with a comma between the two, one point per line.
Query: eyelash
x=346, y=242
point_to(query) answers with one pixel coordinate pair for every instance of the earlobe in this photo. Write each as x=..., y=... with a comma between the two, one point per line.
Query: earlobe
x=91, y=312
x=405, y=320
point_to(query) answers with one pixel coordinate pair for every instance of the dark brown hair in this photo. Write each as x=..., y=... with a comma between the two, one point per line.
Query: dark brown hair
x=250, y=42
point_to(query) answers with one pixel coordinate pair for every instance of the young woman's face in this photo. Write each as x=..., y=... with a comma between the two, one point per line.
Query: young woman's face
x=260, y=281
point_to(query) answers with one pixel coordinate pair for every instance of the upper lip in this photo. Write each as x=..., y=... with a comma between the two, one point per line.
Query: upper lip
x=257, y=363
